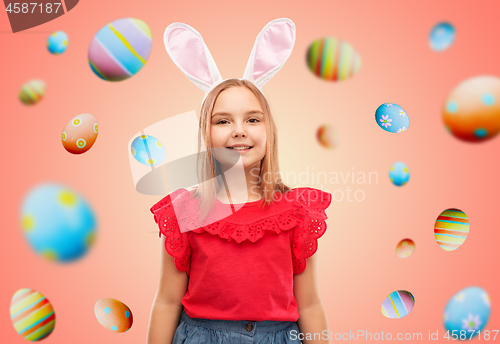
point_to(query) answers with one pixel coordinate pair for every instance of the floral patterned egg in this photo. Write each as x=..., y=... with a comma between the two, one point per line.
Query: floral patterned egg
x=392, y=118
x=468, y=312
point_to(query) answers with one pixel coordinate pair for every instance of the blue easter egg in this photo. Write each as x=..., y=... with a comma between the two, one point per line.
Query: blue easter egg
x=57, y=42
x=442, y=36
x=148, y=150
x=58, y=224
x=392, y=118
x=399, y=174
x=467, y=312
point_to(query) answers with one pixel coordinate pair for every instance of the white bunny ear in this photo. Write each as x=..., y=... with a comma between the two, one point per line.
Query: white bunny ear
x=272, y=47
x=188, y=51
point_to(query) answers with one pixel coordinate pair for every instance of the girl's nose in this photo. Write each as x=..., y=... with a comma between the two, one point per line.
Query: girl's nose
x=239, y=132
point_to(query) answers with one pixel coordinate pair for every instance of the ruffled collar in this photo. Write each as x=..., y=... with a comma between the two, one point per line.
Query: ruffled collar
x=249, y=221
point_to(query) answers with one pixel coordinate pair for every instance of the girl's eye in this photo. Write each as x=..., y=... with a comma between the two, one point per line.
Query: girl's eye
x=223, y=121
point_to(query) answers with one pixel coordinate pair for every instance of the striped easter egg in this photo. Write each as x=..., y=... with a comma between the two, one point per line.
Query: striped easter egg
x=120, y=49
x=398, y=304
x=451, y=229
x=32, y=92
x=32, y=314
x=332, y=59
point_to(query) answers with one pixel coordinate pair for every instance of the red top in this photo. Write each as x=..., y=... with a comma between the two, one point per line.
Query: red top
x=241, y=263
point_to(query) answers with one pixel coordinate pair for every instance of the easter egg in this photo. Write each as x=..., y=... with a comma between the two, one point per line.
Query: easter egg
x=58, y=224
x=113, y=315
x=32, y=314
x=442, y=36
x=398, y=304
x=399, y=174
x=405, y=248
x=57, y=42
x=392, y=118
x=148, y=150
x=120, y=49
x=472, y=110
x=32, y=92
x=327, y=136
x=451, y=229
x=80, y=133
x=467, y=312
x=332, y=59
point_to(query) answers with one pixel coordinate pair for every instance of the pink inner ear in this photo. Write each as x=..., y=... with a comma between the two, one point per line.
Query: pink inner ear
x=273, y=48
x=187, y=50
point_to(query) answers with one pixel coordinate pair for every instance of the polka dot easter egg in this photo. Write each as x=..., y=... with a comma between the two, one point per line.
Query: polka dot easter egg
x=327, y=136
x=405, y=248
x=332, y=59
x=148, y=150
x=442, y=36
x=120, y=49
x=392, y=118
x=32, y=92
x=468, y=312
x=398, y=304
x=80, y=133
x=399, y=174
x=113, y=315
x=472, y=110
x=32, y=314
x=451, y=229
x=58, y=224
x=57, y=43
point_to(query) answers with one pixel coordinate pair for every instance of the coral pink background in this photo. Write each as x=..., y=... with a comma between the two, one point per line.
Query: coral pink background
x=358, y=266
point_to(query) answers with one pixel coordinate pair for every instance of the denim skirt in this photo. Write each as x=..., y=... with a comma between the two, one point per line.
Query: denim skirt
x=206, y=331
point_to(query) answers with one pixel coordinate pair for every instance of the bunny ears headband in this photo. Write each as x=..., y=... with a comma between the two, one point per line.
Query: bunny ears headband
x=272, y=48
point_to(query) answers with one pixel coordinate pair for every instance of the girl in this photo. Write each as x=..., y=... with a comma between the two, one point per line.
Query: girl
x=234, y=261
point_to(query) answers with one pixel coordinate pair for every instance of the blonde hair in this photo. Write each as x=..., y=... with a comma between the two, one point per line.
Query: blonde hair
x=208, y=167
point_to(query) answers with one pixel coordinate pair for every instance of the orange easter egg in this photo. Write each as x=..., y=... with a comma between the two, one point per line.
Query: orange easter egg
x=113, y=315
x=80, y=133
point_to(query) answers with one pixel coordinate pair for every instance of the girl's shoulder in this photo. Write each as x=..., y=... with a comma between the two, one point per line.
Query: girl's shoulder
x=178, y=200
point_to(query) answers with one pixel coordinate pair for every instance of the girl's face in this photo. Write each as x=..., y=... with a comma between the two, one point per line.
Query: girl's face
x=238, y=127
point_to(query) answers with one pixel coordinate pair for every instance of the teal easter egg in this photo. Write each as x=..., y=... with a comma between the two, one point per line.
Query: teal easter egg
x=442, y=36
x=58, y=224
x=398, y=304
x=57, y=42
x=148, y=150
x=466, y=313
x=392, y=118
x=120, y=49
x=399, y=174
